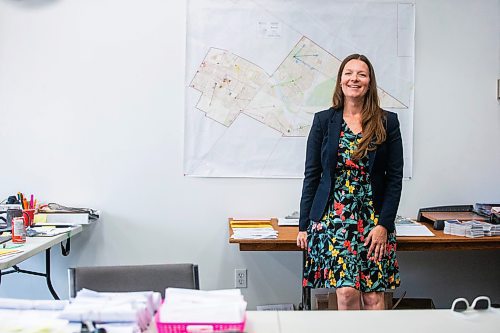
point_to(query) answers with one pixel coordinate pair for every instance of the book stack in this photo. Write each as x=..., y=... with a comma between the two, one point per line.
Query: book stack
x=253, y=229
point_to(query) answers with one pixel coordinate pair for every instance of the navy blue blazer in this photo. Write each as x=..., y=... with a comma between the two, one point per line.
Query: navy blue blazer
x=385, y=169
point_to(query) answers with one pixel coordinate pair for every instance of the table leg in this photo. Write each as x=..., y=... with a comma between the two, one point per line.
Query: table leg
x=47, y=274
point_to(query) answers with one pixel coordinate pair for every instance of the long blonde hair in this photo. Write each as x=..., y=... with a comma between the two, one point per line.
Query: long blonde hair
x=372, y=116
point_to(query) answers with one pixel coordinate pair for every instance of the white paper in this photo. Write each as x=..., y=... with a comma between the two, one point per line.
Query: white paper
x=284, y=221
x=413, y=230
x=196, y=306
x=28, y=304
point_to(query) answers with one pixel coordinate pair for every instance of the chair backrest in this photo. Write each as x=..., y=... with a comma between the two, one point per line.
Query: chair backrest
x=133, y=278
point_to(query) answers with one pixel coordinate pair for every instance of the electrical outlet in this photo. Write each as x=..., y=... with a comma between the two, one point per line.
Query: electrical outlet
x=240, y=278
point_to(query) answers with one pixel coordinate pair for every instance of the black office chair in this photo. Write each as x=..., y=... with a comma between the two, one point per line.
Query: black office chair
x=133, y=278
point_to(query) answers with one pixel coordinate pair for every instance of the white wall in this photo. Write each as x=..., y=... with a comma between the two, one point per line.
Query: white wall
x=91, y=114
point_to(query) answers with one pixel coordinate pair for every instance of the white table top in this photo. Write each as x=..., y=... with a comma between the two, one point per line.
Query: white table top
x=408, y=321
x=35, y=245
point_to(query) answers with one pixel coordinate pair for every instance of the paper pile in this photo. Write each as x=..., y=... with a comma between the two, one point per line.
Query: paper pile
x=132, y=309
x=253, y=229
x=491, y=229
x=471, y=229
x=197, y=306
x=33, y=321
x=28, y=304
x=28, y=316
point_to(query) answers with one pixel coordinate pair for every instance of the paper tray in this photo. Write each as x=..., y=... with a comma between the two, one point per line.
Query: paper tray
x=197, y=327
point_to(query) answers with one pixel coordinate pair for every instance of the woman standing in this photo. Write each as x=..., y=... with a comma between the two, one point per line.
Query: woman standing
x=352, y=186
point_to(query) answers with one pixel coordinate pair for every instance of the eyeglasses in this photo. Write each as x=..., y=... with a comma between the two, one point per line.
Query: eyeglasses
x=479, y=303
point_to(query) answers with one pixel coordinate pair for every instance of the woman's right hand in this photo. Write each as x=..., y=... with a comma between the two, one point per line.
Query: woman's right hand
x=302, y=239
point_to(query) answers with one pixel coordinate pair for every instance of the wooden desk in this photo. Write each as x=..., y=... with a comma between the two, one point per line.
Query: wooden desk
x=32, y=247
x=287, y=236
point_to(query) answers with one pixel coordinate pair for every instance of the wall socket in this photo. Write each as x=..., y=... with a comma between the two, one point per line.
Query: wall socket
x=240, y=278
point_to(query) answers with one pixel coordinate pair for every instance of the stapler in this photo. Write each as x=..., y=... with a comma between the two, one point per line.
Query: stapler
x=438, y=225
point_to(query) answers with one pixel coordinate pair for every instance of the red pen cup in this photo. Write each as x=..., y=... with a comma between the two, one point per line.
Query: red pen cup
x=29, y=217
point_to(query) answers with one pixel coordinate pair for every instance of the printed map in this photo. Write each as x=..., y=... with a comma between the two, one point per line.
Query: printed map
x=250, y=100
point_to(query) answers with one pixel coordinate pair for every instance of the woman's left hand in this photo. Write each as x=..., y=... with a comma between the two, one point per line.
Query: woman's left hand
x=377, y=238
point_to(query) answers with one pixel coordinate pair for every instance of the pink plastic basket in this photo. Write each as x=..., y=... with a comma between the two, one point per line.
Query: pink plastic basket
x=197, y=327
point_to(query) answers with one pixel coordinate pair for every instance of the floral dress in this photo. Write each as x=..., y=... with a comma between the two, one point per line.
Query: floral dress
x=337, y=256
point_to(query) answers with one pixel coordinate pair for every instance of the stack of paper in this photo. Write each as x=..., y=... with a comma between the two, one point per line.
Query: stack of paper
x=31, y=321
x=253, y=229
x=26, y=315
x=29, y=304
x=491, y=229
x=132, y=309
x=471, y=229
x=197, y=306
x=452, y=225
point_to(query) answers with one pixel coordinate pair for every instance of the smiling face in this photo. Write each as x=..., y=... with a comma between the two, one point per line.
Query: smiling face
x=355, y=79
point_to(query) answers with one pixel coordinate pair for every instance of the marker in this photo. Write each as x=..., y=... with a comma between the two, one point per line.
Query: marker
x=31, y=202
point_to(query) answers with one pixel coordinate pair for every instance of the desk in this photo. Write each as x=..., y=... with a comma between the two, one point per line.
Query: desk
x=287, y=236
x=32, y=247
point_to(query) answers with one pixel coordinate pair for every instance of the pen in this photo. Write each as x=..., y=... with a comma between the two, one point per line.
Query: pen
x=31, y=202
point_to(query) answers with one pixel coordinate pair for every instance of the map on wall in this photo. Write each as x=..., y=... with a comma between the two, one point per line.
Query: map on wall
x=257, y=71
